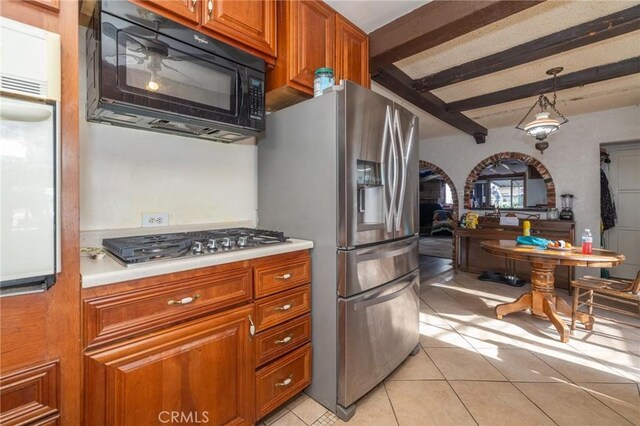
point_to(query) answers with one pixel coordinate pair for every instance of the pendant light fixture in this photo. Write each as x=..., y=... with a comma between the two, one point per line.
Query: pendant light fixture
x=543, y=124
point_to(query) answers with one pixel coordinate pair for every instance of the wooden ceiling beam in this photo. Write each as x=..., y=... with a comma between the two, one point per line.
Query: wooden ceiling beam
x=574, y=79
x=392, y=78
x=613, y=25
x=435, y=23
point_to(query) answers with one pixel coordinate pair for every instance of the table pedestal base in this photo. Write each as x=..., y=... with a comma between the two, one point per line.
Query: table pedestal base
x=543, y=302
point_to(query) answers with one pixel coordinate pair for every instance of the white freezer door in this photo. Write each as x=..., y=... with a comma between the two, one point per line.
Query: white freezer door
x=28, y=197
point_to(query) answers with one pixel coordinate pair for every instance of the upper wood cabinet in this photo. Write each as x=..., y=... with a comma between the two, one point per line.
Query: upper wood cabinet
x=247, y=24
x=352, y=53
x=202, y=370
x=251, y=22
x=187, y=9
x=306, y=42
x=311, y=35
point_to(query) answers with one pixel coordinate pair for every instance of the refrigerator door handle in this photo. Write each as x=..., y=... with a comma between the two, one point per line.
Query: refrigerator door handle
x=392, y=173
x=397, y=129
x=376, y=300
x=405, y=164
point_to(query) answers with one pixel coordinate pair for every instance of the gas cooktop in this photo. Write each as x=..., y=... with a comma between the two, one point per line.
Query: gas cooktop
x=136, y=250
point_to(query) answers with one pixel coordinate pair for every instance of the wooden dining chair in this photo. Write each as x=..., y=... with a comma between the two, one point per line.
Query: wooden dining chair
x=621, y=291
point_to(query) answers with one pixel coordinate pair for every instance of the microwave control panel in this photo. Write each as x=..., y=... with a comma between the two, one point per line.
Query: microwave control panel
x=256, y=98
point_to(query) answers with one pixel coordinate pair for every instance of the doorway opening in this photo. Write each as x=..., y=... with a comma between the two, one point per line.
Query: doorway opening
x=438, y=220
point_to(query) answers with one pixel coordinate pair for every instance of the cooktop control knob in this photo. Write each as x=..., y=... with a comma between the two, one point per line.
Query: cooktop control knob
x=197, y=247
x=227, y=242
x=243, y=241
x=213, y=244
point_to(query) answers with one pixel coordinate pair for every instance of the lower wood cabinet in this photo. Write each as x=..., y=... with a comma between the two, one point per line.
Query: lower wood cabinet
x=282, y=379
x=201, y=371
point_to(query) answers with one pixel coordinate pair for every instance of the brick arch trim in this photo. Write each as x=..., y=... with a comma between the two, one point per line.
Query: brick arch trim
x=527, y=159
x=454, y=193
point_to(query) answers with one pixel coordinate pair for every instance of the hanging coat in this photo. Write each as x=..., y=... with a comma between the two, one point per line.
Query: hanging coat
x=607, y=207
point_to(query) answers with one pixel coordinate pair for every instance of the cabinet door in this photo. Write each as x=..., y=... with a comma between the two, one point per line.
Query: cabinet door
x=312, y=38
x=187, y=9
x=352, y=53
x=201, y=370
x=251, y=22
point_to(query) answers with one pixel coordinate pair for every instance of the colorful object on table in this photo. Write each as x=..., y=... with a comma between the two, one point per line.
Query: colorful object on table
x=472, y=220
x=533, y=241
x=587, y=242
x=526, y=228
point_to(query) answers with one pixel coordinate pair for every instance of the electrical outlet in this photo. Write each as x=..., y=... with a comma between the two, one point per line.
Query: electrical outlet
x=155, y=219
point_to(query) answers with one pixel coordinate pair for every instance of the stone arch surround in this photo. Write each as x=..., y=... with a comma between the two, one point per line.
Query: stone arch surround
x=447, y=179
x=527, y=159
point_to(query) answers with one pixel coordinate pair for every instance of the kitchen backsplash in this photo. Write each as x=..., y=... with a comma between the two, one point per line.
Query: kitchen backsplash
x=125, y=173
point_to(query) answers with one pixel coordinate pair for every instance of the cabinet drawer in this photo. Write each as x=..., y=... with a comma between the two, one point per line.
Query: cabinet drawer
x=281, y=380
x=282, y=307
x=111, y=318
x=281, y=339
x=271, y=279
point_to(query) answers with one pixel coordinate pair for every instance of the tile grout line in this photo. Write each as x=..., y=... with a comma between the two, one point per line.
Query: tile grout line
x=572, y=383
x=393, y=410
x=533, y=402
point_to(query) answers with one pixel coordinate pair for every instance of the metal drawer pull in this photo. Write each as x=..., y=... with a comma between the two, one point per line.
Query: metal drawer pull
x=286, y=382
x=184, y=300
x=193, y=5
x=284, y=277
x=210, y=8
x=285, y=340
x=283, y=307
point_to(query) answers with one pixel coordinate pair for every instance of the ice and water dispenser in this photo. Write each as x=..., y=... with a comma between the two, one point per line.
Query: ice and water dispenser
x=370, y=195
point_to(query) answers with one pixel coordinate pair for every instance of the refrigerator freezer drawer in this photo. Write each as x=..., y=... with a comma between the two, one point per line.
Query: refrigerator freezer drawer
x=377, y=331
x=370, y=267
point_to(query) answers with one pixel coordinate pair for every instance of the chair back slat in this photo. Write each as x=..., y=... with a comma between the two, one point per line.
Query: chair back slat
x=636, y=284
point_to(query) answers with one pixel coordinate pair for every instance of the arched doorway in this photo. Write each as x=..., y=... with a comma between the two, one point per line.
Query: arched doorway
x=526, y=159
x=439, y=209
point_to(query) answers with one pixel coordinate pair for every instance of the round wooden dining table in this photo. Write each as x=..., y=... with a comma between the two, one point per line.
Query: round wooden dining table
x=542, y=300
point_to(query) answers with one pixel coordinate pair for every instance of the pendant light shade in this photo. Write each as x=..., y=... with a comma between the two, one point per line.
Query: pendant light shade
x=542, y=126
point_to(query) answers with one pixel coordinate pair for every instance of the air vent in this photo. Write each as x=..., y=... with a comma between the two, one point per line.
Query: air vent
x=181, y=127
x=24, y=86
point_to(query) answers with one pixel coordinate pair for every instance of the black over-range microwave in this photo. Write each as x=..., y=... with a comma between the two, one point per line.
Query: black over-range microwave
x=146, y=71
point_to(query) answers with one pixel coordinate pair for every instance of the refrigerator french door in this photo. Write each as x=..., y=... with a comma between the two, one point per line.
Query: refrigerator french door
x=28, y=247
x=377, y=173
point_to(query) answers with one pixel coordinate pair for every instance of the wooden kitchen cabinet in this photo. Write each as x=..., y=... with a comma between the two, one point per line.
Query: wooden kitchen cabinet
x=187, y=9
x=352, y=53
x=253, y=23
x=203, y=369
x=249, y=25
x=306, y=42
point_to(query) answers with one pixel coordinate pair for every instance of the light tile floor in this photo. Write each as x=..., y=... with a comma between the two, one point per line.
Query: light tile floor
x=477, y=370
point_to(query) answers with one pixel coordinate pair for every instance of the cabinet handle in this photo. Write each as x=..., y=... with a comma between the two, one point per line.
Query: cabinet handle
x=283, y=307
x=252, y=327
x=184, y=300
x=210, y=8
x=285, y=382
x=284, y=276
x=193, y=5
x=285, y=340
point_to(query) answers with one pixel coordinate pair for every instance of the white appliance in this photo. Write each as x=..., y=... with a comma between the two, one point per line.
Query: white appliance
x=29, y=160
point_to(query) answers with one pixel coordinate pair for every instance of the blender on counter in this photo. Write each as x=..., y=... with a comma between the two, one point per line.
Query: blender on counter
x=567, y=207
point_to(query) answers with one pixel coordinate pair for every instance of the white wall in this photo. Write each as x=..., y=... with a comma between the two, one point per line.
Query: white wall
x=572, y=157
x=125, y=172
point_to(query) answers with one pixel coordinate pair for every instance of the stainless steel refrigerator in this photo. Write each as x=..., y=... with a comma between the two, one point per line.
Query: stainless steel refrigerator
x=342, y=170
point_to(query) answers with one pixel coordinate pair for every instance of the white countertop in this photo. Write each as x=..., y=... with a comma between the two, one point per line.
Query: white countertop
x=97, y=272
